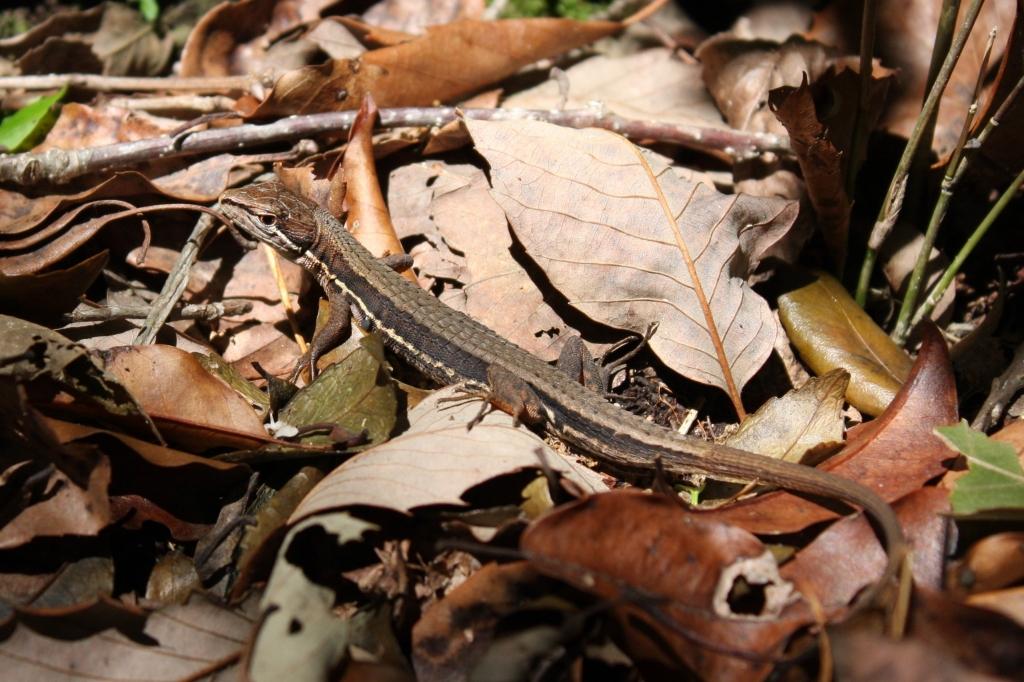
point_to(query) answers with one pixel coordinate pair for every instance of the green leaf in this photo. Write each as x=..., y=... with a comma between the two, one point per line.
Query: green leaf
x=995, y=479
x=25, y=127
x=150, y=10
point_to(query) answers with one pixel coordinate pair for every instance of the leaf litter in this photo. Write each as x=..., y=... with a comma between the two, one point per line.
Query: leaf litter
x=179, y=501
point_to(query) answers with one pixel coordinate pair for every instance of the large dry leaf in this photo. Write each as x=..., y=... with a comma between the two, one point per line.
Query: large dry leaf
x=437, y=460
x=449, y=206
x=831, y=331
x=447, y=63
x=629, y=243
x=638, y=552
x=107, y=640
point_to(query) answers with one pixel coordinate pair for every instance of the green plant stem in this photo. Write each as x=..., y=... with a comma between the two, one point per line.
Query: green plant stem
x=902, y=328
x=893, y=202
x=954, y=267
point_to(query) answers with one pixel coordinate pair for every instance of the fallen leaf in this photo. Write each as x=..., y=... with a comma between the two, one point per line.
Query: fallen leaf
x=740, y=73
x=297, y=629
x=993, y=562
x=368, y=218
x=189, y=404
x=448, y=62
x=109, y=640
x=628, y=243
x=637, y=552
x=437, y=460
x=1008, y=602
x=831, y=331
x=894, y=455
x=671, y=90
x=995, y=480
x=802, y=422
x=44, y=298
x=355, y=393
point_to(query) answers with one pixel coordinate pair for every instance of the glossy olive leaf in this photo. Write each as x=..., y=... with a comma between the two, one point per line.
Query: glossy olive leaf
x=629, y=242
x=355, y=393
x=831, y=331
x=995, y=480
x=299, y=637
x=28, y=125
x=804, y=421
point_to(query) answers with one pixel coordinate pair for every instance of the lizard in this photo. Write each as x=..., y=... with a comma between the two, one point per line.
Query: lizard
x=450, y=347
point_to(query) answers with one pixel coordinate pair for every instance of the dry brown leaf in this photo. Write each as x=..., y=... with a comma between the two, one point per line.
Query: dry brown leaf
x=65, y=509
x=629, y=243
x=1009, y=602
x=740, y=73
x=447, y=63
x=368, y=217
x=111, y=641
x=802, y=422
x=451, y=206
x=182, y=397
x=623, y=544
x=436, y=461
x=894, y=455
x=898, y=256
x=991, y=563
x=669, y=90
x=237, y=37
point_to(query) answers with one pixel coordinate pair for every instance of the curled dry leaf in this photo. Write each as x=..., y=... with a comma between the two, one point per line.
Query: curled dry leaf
x=894, y=455
x=628, y=243
x=437, y=460
x=800, y=423
x=831, y=331
x=44, y=298
x=448, y=62
x=368, y=218
x=112, y=641
x=624, y=544
x=991, y=563
x=740, y=73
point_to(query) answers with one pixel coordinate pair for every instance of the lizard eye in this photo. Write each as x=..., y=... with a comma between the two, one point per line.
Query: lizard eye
x=268, y=220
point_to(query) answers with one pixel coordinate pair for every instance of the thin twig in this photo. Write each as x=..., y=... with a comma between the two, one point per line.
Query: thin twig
x=100, y=83
x=867, y=53
x=177, y=280
x=61, y=165
x=954, y=267
x=902, y=328
x=191, y=311
x=893, y=202
x=1004, y=387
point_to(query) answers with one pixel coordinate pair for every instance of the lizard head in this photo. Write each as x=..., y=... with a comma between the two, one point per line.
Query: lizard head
x=273, y=215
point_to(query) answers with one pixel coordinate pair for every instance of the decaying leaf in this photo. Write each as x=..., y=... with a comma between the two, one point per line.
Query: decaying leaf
x=624, y=544
x=628, y=243
x=831, y=331
x=355, y=393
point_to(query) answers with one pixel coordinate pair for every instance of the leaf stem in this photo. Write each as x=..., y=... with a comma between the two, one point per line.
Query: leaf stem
x=902, y=328
x=972, y=241
x=893, y=202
